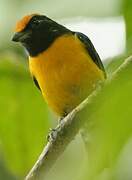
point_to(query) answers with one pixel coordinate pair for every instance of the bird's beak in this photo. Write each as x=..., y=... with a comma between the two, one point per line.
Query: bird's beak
x=21, y=36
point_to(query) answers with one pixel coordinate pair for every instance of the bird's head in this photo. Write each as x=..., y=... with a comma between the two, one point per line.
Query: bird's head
x=37, y=32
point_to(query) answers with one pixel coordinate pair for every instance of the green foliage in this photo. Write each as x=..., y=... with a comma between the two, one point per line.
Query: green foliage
x=110, y=125
x=23, y=118
x=127, y=11
x=112, y=64
x=4, y=173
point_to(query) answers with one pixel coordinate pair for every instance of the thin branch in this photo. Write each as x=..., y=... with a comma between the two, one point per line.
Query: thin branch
x=65, y=132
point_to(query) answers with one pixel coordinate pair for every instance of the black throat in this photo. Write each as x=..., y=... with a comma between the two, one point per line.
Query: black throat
x=43, y=36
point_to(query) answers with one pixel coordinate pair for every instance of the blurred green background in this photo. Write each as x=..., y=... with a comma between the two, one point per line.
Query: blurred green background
x=24, y=116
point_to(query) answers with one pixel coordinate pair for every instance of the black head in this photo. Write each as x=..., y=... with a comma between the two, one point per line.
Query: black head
x=37, y=33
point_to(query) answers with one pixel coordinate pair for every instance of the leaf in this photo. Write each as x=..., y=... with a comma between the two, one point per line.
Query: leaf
x=110, y=125
x=23, y=118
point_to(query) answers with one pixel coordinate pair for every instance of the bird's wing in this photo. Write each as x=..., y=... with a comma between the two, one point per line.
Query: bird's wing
x=91, y=50
x=36, y=83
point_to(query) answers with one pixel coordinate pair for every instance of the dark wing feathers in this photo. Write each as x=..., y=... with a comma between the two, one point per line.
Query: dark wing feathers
x=36, y=83
x=91, y=50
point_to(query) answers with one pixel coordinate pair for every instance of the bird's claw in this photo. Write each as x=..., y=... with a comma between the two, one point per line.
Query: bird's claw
x=52, y=135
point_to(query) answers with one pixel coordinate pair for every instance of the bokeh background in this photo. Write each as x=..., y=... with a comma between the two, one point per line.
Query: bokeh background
x=24, y=116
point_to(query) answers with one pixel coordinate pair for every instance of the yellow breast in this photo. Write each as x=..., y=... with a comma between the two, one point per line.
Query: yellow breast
x=66, y=74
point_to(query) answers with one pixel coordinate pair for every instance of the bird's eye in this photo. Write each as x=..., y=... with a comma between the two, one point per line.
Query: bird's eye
x=35, y=22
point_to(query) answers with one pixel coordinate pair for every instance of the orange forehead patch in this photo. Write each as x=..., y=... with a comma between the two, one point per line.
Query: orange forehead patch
x=23, y=22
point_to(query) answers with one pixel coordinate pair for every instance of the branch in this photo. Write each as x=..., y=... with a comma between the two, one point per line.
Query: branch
x=64, y=133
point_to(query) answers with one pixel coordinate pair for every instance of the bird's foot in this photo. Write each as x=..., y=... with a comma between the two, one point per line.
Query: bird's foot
x=52, y=135
x=60, y=120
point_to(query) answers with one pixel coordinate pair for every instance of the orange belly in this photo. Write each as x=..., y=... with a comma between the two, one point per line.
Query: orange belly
x=66, y=74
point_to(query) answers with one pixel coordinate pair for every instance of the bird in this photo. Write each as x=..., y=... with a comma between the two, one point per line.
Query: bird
x=64, y=64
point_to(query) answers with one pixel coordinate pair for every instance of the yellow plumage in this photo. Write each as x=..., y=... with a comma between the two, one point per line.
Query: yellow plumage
x=65, y=73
